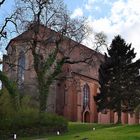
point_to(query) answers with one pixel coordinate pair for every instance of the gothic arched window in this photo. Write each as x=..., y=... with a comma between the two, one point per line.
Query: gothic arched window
x=86, y=96
x=21, y=68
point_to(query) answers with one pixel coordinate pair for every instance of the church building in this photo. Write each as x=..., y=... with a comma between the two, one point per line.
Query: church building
x=72, y=94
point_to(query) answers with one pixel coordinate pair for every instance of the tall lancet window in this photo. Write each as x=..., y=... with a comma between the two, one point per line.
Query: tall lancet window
x=21, y=68
x=86, y=96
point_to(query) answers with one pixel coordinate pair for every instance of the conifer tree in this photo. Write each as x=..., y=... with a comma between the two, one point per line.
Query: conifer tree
x=117, y=77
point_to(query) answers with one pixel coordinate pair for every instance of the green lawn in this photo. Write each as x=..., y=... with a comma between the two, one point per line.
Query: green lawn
x=78, y=131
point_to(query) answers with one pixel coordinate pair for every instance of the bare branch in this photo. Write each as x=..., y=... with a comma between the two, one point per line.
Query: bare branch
x=7, y=20
x=2, y=2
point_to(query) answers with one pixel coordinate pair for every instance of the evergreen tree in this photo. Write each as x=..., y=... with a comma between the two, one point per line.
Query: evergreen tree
x=117, y=77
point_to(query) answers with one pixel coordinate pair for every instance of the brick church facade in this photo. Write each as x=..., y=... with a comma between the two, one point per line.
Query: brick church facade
x=72, y=94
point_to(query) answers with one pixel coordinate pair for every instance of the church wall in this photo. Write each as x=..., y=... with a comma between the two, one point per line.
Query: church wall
x=115, y=117
x=60, y=97
x=51, y=100
x=131, y=118
x=92, y=106
x=124, y=118
x=70, y=100
x=104, y=118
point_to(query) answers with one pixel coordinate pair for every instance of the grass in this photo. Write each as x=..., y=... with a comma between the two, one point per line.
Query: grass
x=79, y=131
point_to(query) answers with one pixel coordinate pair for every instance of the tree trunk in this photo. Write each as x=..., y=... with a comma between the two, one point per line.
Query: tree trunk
x=43, y=98
x=119, y=117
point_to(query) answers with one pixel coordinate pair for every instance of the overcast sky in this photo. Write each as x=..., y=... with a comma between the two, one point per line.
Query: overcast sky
x=113, y=17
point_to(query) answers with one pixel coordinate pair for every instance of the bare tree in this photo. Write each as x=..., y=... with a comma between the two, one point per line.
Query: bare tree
x=10, y=86
x=100, y=41
x=54, y=36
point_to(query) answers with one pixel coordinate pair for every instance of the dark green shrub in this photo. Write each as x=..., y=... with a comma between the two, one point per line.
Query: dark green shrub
x=27, y=121
x=6, y=106
x=31, y=124
x=53, y=122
